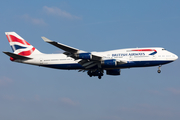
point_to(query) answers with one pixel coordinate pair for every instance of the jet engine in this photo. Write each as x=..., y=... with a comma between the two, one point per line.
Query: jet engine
x=111, y=62
x=86, y=56
x=113, y=72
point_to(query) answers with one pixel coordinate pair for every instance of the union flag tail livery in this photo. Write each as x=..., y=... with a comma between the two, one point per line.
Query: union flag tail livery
x=19, y=45
x=95, y=63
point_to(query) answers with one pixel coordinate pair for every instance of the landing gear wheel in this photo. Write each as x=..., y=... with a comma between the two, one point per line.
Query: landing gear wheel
x=100, y=74
x=159, y=71
x=89, y=73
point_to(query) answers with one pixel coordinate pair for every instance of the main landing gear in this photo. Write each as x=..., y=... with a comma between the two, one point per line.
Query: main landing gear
x=98, y=73
x=159, y=69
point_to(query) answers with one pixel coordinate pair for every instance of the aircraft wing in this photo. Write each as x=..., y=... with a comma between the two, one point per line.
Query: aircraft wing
x=87, y=60
x=88, y=64
x=70, y=51
x=61, y=46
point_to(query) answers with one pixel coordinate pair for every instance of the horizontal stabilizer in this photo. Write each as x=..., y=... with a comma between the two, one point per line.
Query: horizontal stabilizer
x=61, y=46
x=16, y=56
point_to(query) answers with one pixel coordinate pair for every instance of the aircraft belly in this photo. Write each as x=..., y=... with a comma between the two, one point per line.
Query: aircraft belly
x=127, y=65
x=144, y=63
x=64, y=66
x=138, y=64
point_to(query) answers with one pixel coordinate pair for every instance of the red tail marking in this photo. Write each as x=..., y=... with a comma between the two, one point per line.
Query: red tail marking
x=12, y=38
x=27, y=53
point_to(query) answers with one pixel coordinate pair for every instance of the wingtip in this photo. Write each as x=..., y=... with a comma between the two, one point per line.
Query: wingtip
x=46, y=39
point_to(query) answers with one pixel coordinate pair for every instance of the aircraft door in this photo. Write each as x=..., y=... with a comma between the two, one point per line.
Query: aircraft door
x=130, y=58
x=154, y=57
x=41, y=61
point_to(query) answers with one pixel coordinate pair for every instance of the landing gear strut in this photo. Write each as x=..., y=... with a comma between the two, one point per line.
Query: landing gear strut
x=159, y=69
x=100, y=74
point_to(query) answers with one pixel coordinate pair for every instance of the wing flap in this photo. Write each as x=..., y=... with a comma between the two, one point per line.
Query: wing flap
x=91, y=65
x=121, y=62
x=88, y=64
x=96, y=58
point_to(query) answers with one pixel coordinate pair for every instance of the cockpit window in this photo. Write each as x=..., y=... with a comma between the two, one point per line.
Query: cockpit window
x=163, y=49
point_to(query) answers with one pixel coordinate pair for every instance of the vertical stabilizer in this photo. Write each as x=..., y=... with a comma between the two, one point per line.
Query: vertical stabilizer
x=20, y=46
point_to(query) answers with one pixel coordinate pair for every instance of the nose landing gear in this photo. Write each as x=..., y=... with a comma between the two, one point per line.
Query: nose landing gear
x=159, y=69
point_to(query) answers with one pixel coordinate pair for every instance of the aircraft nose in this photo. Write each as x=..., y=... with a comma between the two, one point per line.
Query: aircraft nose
x=175, y=57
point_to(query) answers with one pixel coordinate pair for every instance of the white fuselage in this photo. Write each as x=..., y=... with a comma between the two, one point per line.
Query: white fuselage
x=135, y=57
x=93, y=62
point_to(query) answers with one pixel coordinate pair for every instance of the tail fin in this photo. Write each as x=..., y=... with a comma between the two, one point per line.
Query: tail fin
x=20, y=46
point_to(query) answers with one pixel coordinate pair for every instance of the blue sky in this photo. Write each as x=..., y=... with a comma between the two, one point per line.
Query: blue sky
x=34, y=93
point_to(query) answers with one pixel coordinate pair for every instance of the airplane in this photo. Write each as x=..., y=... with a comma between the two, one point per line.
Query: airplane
x=94, y=63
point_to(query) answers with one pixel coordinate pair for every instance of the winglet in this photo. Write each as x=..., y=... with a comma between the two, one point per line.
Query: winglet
x=61, y=46
x=46, y=39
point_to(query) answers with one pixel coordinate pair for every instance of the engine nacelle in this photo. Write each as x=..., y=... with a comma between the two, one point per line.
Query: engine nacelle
x=111, y=62
x=86, y=56
x=113, y=72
